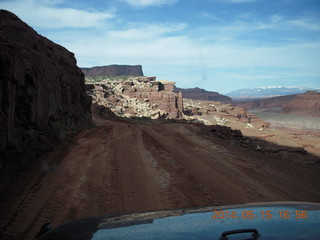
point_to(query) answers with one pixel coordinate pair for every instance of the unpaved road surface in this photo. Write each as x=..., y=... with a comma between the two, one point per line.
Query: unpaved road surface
x=118, y=168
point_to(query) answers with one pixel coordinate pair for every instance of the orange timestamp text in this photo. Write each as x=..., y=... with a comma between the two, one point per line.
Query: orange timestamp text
x=268, y=214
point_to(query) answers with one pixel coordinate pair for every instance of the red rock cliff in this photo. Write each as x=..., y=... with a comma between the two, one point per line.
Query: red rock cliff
x=42, y=95
x=138, y=97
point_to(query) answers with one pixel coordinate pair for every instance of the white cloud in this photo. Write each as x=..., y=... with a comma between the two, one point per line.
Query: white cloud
x=306, y=23
x=173, y=51
x=47, y=14
x=145, y=31
x=149, y=3
x=276, y=18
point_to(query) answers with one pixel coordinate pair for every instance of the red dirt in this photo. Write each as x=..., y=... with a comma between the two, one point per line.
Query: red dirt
x=124, y=167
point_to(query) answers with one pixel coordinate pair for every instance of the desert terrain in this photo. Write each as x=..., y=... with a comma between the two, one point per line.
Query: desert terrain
x=71, y=150
x=123, y=167
x=277, y=118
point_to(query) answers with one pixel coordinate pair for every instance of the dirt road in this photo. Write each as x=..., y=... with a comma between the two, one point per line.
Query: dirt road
x=125, y=167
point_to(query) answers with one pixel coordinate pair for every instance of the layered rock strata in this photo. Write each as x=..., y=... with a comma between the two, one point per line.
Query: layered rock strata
x=114, y=70
x=138, y=97
x=203, y=95
x=309, y=102
x=42, y=95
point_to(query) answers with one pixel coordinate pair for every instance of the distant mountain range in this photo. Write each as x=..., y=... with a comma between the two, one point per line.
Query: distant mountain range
x=264, y=92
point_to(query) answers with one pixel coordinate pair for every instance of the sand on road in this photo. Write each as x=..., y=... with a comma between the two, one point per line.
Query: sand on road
x=117, y=168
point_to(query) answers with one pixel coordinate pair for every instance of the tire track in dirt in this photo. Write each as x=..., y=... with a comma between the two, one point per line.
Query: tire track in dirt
x=53, y=197
x=234, y=178
x=118, y=168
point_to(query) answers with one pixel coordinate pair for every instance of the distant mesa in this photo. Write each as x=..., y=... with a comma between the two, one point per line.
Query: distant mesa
x=113, y=70
x=203, y=95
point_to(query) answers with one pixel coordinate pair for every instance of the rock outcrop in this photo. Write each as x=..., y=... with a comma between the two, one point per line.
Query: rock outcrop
x=42, y=95
x=203, y=95
x=138, y=97
x=114, y=70
x=217, y=113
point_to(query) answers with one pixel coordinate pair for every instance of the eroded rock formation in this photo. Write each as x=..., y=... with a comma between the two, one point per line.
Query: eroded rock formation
x=114, y=70
x=217, y=113
x=138, y=97
x=42, y=95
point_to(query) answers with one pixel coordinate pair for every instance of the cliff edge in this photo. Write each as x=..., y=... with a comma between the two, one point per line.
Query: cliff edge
x=114, y=70
x=203, y=95
x=42, y=95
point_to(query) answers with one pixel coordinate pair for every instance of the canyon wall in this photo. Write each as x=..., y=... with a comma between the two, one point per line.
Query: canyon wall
x=114, y=70
x=42, y=96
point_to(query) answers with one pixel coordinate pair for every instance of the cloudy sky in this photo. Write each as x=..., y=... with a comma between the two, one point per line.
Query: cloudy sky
x=219, y=45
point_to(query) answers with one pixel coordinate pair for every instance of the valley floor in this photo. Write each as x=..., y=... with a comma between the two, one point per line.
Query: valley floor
x=117, y=168
x=277, y=118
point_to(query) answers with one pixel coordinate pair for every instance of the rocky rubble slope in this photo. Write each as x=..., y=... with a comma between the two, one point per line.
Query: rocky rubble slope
x=217, y=113
x=137, y=97
x=42, y=95
x=144, y=97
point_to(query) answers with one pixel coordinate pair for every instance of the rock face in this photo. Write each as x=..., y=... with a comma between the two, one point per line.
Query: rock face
x=114, y=70
x=201, y=94
x=307, y=103
x=138, y=97
x=42, y=95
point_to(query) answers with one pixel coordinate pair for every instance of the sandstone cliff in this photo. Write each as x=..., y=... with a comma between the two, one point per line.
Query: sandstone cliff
x=114, y=70
x=42, y=95
x=201, y=94
x=138, y=97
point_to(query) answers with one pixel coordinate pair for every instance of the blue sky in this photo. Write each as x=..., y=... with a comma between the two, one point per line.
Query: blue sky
x=219, y=45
